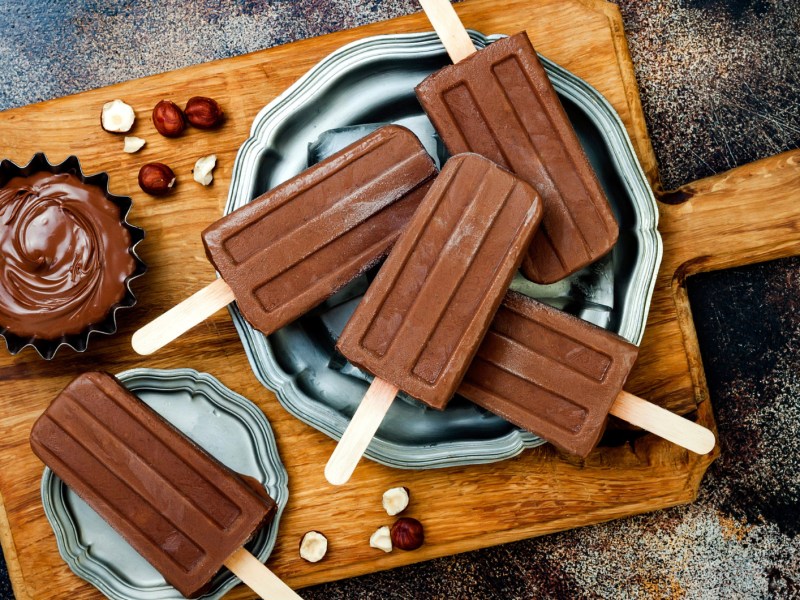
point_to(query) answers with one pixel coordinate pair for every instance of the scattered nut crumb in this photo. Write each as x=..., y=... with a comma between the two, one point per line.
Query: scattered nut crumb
x=133, y=144
x=381, y=539
x=117, y=117
x=395, y=500
x=203, y=168
x=313, y=546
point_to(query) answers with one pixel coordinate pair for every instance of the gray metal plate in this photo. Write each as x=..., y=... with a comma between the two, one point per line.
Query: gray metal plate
x=372, y=81
x=227, y=425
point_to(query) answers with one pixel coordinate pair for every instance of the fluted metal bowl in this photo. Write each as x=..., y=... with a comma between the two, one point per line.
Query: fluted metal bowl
x=47, y=348
x=372, y=81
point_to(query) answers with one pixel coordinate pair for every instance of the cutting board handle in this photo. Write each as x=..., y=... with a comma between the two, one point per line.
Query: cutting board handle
x=747, y=215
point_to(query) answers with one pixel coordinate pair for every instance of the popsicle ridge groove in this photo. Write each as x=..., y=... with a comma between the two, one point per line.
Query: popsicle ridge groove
x=482, y=269
x=561, y=412
x=315, y=209
x=544, y=340
x=293, y=284
x=552, y=153
x=429, y=369
x=159, y=433
x=547, y=376
x=461, y=95
x=352, y=210
x=547, y=185
x=377, y=338
x=103, y=474
x=150, y=458
x=294, y=246
x=422, y=319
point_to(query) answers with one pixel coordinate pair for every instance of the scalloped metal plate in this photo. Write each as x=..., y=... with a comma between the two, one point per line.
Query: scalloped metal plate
x=227, y=425
x=372, y=80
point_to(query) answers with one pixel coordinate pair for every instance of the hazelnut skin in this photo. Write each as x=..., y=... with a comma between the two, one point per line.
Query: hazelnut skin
x=407, y=534
x=156, y=179
x=168, y=119
x=203, y=113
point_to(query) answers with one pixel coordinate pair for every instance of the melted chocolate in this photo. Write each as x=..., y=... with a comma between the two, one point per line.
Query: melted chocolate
x=64, y=255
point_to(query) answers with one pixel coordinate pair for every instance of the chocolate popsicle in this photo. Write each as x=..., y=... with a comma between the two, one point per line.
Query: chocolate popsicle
x=422, y=319
x=290, y=249
x=500, y=103
x=180, y=508
x=559, y=377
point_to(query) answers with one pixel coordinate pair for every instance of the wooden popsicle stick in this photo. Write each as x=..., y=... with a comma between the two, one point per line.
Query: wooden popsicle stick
x=449, y=28
x=663, y=423
x=181, y=318
x=360, y=431
x=258, y=577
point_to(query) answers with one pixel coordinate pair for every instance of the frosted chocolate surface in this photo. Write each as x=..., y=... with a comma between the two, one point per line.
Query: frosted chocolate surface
x=500, y=103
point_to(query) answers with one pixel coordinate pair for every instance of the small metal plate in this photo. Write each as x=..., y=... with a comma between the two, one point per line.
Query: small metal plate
x=372, y=81
x=227, y=425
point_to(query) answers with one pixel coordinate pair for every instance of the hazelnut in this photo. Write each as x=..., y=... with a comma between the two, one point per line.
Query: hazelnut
x=313, y=546
x=168, y=119
x=395, y=500
x=381, y=539
x=203, y=113
x=133, y=144
x=156, y=179
x=202, y=169
x=117, y=117
x=407, y=533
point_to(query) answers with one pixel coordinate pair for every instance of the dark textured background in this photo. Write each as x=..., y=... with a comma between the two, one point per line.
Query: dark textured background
x=720, y=84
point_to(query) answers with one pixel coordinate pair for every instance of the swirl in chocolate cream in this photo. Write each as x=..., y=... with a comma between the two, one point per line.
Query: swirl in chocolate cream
x=64, y=255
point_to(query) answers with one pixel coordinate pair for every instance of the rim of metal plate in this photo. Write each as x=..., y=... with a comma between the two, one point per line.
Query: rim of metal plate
x=263, y=134
x=265, y=452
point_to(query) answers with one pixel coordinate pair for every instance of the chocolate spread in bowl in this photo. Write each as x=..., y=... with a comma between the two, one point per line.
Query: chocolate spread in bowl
x=64, y=255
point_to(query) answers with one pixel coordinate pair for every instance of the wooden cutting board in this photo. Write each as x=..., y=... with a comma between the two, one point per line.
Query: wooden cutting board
x=747, y=215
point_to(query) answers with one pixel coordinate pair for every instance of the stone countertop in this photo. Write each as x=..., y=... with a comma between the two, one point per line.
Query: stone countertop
x=720, y=86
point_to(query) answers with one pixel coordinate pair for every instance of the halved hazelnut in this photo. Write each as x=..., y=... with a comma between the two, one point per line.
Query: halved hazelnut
x=117, y=117
x=203, y=113
x=381, y=539
x=313, y=546
x=133, y=144
x=156, y=179
x=168, y=119
x=395, y=500
x=407, y=533
x=202, y=169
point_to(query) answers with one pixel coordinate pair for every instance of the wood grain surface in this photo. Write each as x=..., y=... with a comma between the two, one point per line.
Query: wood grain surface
x=710, y=224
